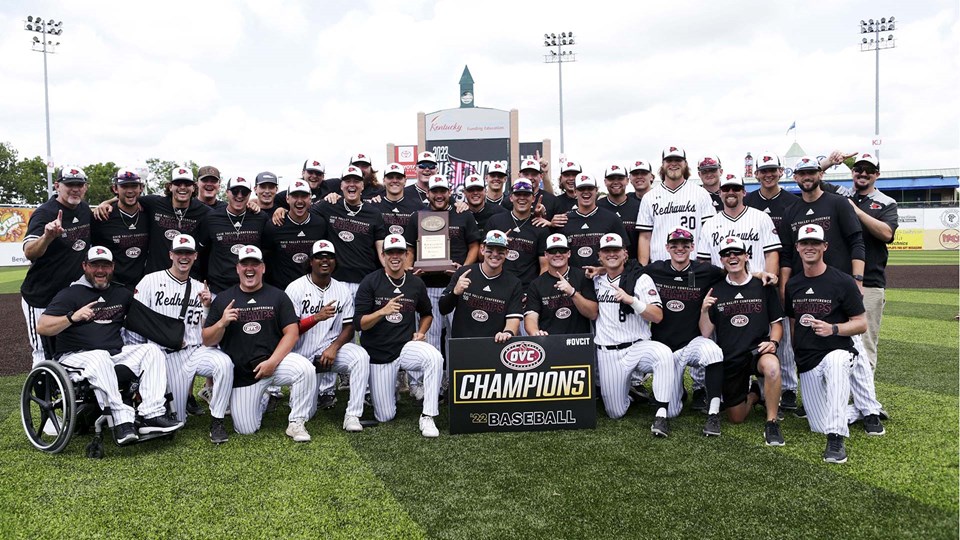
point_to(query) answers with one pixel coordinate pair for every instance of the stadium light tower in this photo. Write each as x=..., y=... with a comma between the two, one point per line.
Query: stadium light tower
x=43, y=45
x=876, y=43
x=559, y=56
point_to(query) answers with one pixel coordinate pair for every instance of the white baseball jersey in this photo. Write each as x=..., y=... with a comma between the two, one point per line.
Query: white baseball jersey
x=614, y=329
x=752, y=226
x=309, y=299
x=163, y=293
x=663, y=210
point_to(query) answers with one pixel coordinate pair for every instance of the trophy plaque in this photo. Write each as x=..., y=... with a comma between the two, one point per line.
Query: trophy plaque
x=433, y=242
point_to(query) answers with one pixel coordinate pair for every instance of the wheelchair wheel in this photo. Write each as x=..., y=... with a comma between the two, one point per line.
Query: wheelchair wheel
x=48, y=407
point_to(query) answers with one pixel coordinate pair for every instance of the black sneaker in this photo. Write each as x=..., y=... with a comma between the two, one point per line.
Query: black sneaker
x=367, y=400
x=124, y=433
x=699, y=402
x=836, y=452
x=159, y=424
x=772, y=435
x=326, y=401
x=712, y=427
x=872, y=425
x=660, y=427
x=218, y=433
x=194, y=408
x=272, y=403
x=800, y=413
x=639, y=394
x=788, y=400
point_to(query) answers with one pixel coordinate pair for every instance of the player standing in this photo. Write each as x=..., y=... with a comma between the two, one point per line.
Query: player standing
x=641, y=178
x=496, y=178
x=561, y=300
x=208, y=180
x=587, y=224
x=396, y=206
x=621, y=203
x=265, y=187
x=711, y=171
x=426, y=167
x=230, y=229
x=288, y=246
x=567, y=199
x=525, y=241
x=474, y=193
x=126, y=231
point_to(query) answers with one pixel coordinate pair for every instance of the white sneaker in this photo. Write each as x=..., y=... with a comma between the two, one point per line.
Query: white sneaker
x=416, y=391
x=275, y=391
x=428, y=428
x=298, y=431
x=352, y=424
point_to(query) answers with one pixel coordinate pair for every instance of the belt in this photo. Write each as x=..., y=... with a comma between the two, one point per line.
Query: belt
x=619, y=347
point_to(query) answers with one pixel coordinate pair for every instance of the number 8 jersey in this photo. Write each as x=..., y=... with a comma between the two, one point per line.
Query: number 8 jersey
x=163, y=293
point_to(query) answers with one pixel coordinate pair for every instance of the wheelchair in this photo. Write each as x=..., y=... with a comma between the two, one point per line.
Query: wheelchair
x=53, y=409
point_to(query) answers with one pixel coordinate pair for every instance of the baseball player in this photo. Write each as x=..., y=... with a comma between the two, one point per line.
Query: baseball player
x=682, y=284
x=746, y=316
x=587, y=224
x=126, y=231
x=208, y=180
x=313, y=174
x=176, y=212
x=396, y=206
x=230, y=229
x=58, y=235
x=256, y=326
x=388, y=304
x=825, y=310
x=174, y=293
x=711, y=171
x=525, y=241
x=561, y=300
x=567, y=199
x=621, y=203
x=628, y=303
x=265, y=187
x=641, y=178
x=87, y=318
x=426, y=167
x=545, y=204
x=674, y=203
x=288, y=246
x=371, y=185
x=496, y=178
x=474, y=193
x=325, y=308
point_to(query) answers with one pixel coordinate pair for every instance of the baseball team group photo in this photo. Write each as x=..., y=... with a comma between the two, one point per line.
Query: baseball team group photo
x=477, y=336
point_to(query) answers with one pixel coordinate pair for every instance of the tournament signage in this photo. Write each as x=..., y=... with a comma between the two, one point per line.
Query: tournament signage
x=526, y=384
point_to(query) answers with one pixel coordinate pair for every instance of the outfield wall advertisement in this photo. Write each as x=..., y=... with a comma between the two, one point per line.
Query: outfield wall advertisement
x=927, y=229
x=13, y=227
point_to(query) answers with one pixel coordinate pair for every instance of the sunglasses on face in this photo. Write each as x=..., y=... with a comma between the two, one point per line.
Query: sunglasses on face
x=732, y=253
x=239, y=192
x=319, y=256
x=731, y=188
x=864, y=170
x=426, y=166
x=557, y=251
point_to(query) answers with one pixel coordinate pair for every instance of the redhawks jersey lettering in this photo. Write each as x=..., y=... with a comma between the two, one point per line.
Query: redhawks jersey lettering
x=161, y=299
x=671, y=208
x=309, y=308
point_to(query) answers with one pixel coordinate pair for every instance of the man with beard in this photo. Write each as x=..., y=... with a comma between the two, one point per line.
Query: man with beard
x=587, y=224
x=87, y=318
x=57, y=236
x=174, y=293
x=288, y=245
x=567, y=200
x=561, y=300
x=474, y=194
x=126, y=231
x=641, y=178
x=326, y=311
x=674, y=203
x=426, y=167
x=496, y=178
x=265, y=187
x=620, y=203
x=397, y=204
x=371, y=185
x=746, y=317
x=256, y=327
x=230, y=229
x=313, y=174
x=526, y=242
x=209, y=179
x=711, y=171
x=388, y=304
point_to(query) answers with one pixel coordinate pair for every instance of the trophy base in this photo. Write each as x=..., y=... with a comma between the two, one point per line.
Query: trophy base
x=435, y=266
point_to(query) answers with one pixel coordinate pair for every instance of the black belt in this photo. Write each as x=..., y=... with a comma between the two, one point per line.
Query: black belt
x=619, y=347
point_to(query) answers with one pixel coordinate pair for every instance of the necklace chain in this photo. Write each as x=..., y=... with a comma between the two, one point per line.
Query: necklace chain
x=352, y=213
x=394, y=283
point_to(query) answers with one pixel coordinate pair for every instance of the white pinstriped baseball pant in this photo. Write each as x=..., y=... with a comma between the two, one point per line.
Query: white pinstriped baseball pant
x=698, y=354
x=327, y=382
x=247, y=407
x=414, y=356
x=862, y=385
x=435, y=331
x=97, y=367
x=616, y=366
x=826, y=389
x=184, y=365
x=32, y=315
x=352, y=359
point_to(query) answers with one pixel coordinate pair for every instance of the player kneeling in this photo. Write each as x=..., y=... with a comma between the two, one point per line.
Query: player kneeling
x=388, y=303
x=623, y=336
x=174, y=293
x=325, y=308
x=746, y=316
x=255, y=325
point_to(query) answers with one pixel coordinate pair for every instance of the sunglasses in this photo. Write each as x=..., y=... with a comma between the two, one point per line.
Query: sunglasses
x=182, y=183
x=557, y=251
x=426, y=166
x=239, y=192
x=865, y=170
x=680, y=235
x=324, y=256
x=732, y=253
x=731, y=188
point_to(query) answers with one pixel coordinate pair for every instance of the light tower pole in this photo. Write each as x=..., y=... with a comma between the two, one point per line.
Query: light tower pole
x=876, y=27
x=558, y=57
x=45, y=46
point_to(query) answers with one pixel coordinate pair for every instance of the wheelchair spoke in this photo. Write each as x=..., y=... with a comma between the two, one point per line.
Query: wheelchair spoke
x=43, y=404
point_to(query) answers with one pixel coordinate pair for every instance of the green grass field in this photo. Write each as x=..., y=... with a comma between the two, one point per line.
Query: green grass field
x=10, y=279
x=924, y=258
x=615, y=481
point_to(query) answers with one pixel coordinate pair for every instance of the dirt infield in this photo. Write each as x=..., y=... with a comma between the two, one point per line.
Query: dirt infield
x=15, y=353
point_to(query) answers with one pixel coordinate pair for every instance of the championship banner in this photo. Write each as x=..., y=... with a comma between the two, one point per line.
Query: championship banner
x=13, y=228
x=538, y=383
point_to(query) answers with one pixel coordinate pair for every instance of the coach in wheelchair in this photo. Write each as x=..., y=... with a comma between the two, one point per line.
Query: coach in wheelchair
x=86, y=319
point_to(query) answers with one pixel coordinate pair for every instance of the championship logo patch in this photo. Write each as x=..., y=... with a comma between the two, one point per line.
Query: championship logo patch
x=170, y=234
x=513, y=255
x=300, y=258
x=585, y=251
x=251, y=328
x=480, y=315
x=739, y=320
x=675, y=306
x=79, y=245
x=522, y=356
x=396, y=229
x=806, y=319
x=235, y=249
x=346, y=236
x=563, y=313
x=133, y=252
x=394, y=318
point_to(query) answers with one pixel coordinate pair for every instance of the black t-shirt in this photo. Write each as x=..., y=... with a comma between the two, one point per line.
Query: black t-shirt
x=414, y=193
x=526, y=244
x=254, y=336
x=227, y=234
x=831, y=297
x=682, y=294
x=287, y=248
x=396, y=214
x=556, y=311
x=462, y=231
x=742, y=316
x=484, y=307
x=566, y=203
x=878, y=206
x=583, y=234
x=166, y=223
x=217, y=204
x=841, y=230
x=354, y=234
x=324, y=188
x=550, y=204
x=59, y=265
x=384, y=341
x=716, y=201
x=627, y=212
x=775, y=207
x=503, y=201
x=128, y=238
x=483, y=216
x=100, y=333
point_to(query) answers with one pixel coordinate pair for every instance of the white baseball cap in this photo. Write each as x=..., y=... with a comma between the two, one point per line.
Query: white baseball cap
x=394, y=242
x=181, y=173
x=807, y=163
x=530, y=164
x=681, y=234
x=250, y=252
x=674, y=151
x=183, y=242
x=614, y=170
x=495, y=238
x=314, y=165
x=810, y=232
x=238, y=181
x=521, y=185
x=497, y=167
x=709, y=161
x=426, y=157
x=768, y=160
x=611, y=240
x=70, y=174
x=437, y=181
x=299, y=186
x=127, y=175
x=570, y=166
x=394, y=168
x=869, y=158
x=351, y=170
x=731, y=179
x=557, y=241
x=474, y=181
x=585, y=180
x=640, y=165
x=99, y=253
x=323, y=246
x=731, y=243
x=360, y=158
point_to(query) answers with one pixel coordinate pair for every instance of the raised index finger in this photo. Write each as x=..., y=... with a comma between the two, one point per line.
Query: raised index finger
x=467, y=272
x=59, y=215
x=91, y=304
x=230, y=305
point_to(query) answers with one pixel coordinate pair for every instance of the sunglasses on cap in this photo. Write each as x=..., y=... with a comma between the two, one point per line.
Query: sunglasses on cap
x=731, y=187
x=680, y=234
x=426, y=166
x=864, y=169
x=557, y=251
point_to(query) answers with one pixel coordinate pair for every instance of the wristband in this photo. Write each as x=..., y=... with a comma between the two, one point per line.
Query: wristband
x=858, y=277
x=509, y=332
x=776, y=344
x=69, y=317
x=836, y=330
x=571, y=295
x=638, y=305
